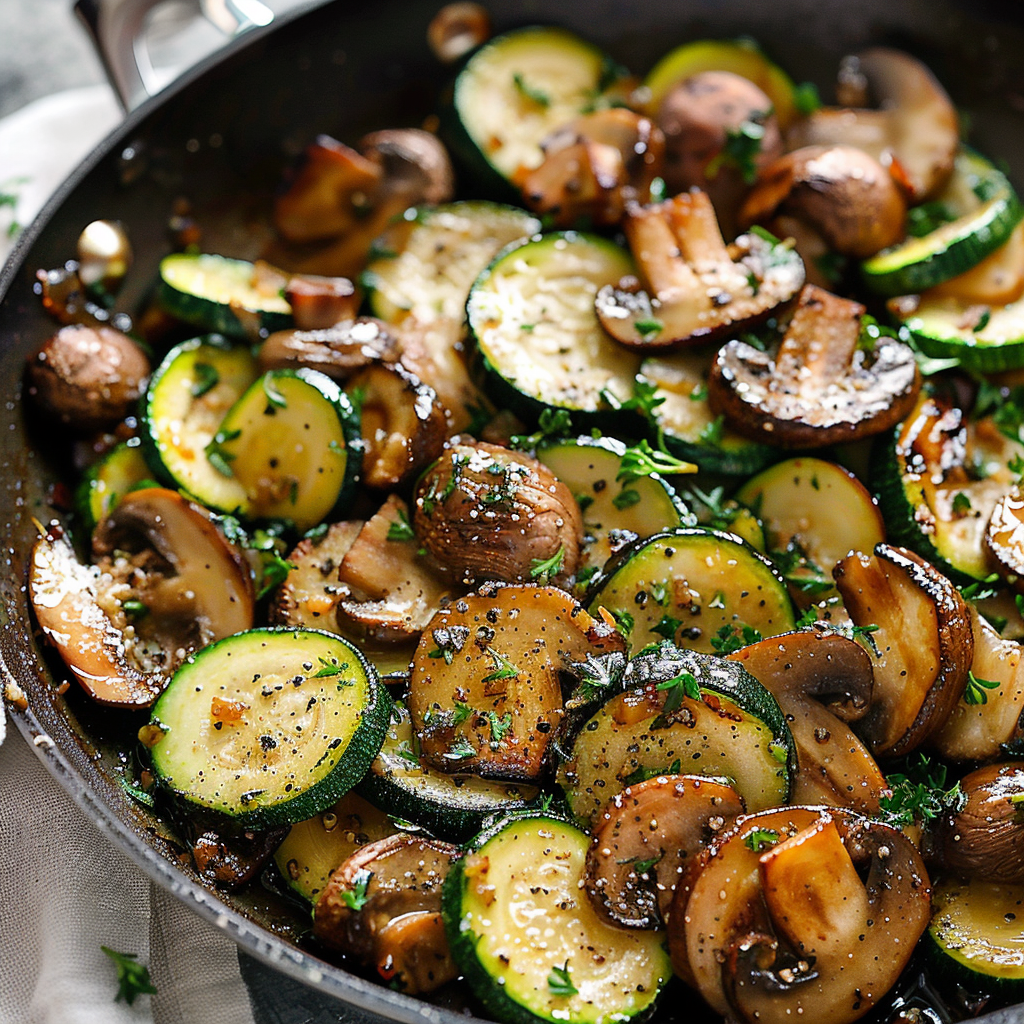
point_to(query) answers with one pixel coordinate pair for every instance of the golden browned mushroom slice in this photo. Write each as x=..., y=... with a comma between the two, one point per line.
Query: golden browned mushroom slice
x=595, y=166
x=801, y=913
x=1005, y=537
x=484, y=691
x=414, y=163
x=389, y=595
x=645, y=839
x=914, y=131
x=339, y=351
x=456, y=29
x=383, y=906
x=320, y=302
x=485, y=512
x=985, y=838
x=87, y=377
x=310, y=593
x=977, y=732
x=822, y=681
x=403, y=424
x=922, y=647
x=694, y=287
x=839, y=193
x=821, y=387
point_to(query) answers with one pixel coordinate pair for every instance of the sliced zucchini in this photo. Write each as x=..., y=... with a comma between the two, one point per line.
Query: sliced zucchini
x=698, y=588
x=215, y=293
x=976, y=935
x=450, y=806
x=538, y=340
x=425, y=265
x=515, y=91
x=121, y=470
x=314, y=848
x=530, y=943
x=188, y=397
x=615, y=511
x=939, y=476
x=690, y=429
x=685, y=712
x=270, y=726
x=814, y=512
x=287, y=444
x=741, y=57
x=985, y=210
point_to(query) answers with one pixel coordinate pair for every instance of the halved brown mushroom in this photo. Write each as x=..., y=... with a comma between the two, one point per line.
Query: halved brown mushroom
x=922, y=642
x=489, y=513
x=456, y=29
x=339, y=350
x=388, y=594
x=646, y=837
x=104, y=255
x=320, y=302
x=821, y=387
x=821, y=681
x=414, y=163
x=694, y=287
x=595, y=166
x=1005, y=537
x=914, y=132
x=87, y=377
x=801, y=913
x=403, y=424
x=838, y=193
x=985, y=838
x=383, y=906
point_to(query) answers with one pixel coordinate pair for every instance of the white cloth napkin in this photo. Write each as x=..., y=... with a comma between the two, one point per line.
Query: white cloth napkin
x=64, y=890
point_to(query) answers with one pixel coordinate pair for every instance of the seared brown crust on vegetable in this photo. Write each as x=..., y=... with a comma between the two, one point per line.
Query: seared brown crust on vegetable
x=320, y=302
x=644, y=840
x=485, y=512
x=923, y=640
x=820, y=388
x=87, y=377
x=383, y=904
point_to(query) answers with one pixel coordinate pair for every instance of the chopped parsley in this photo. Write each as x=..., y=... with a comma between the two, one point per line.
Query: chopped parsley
x=683, y=685
x=648, y=329
x=499, y=726
x=530, y=93
x=642, y=460
x=559, y=982
x=920, y=794
x=462, y=712
x=401, y=529
x=975, y=691
x=503, y=668
x=760, y=839
x=961, y=504
x=544, y=569
x=732, y=637
x=216, y=455
x=551, y=423
x=206, y=378
x=275, y=400
x=356, y=898
x=133, y=978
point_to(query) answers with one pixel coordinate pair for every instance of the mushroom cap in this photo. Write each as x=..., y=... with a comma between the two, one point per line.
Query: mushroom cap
x=412, y=161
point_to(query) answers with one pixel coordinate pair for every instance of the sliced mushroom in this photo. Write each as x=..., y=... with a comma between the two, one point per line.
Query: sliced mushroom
x=339, y=350
x=821, y=681
x=87, y=377
x=840, y=193
x=694, y=287
x=403, y=424
x=801, y=913
x=646, y=838
x=383, y=906
x=310, y=593
x=488, y=513
x=320, y=302
x=922, y=647
x=821, y=387
x=1005, y=537
x=985, y=838
x=456, y=29
x=414, y=163
x=388, y=594
x=595, y=166
x=914, y=132
x=229, y=857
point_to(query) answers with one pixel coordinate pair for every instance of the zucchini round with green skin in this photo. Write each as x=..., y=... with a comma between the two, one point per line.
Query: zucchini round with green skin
x=985, y=210
x=121, y=470
x=270, y=726
x=615, y=511
x=939, y=476
x=975, y=934
x=449, y=806
x=538, y=341
x=206, y=290
x=425, y=265
x=188, y=397
x=530, y=943
x=699, y=588
x=691, y=431
x=514, y=92
x=287, y=443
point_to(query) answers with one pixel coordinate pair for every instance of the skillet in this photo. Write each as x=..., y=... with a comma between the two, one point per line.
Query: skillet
x=226, y=130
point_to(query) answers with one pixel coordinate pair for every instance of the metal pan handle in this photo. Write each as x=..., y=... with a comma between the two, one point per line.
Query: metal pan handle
x=116, y=28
